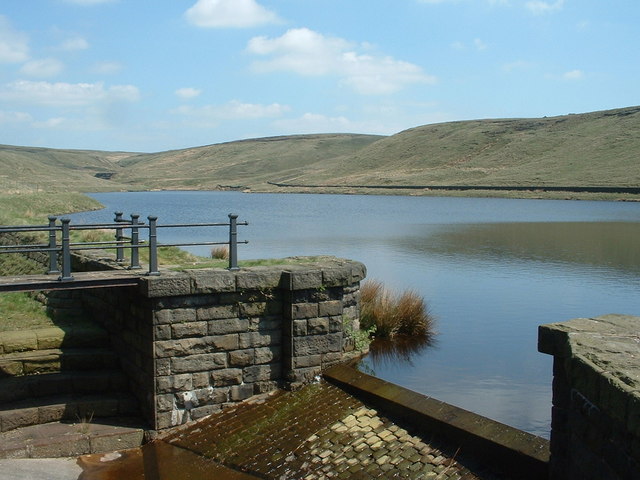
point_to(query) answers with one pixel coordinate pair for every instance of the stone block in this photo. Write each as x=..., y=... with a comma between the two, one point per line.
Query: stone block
x=174, y=383
x=199, y=363
x=166, y=285
x=165, y=402
x=267, y=354
x=212, y=281
x=307, y=361
x=217, y=312
x=304, y=310
x=226, y=377
x=200, y=380
x=238, y=393
x=301, y=279
x=241, y=358
x=261, y=373
x=204, y=411
x=299, y=328
x=178, y=315
x=259, y=339
x=19, y=341
x=318, y=326
x=317, y=344
x=253, y=309
x=189, y=329
x=259, y=278
x=330, y=308
x=335, y=325
x=162, y=332
x=225, y=326
x=358, y=272
x=261, y=324
x=336, y=276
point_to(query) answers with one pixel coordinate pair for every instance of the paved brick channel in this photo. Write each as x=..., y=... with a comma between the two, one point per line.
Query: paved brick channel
x=319, y=432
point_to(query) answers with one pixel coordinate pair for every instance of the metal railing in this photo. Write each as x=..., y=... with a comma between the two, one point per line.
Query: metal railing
x=60, y=245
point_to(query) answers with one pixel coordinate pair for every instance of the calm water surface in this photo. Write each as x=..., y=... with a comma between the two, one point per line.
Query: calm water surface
x=491, y=270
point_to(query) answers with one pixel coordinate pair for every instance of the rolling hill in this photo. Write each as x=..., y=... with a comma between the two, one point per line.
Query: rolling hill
x=590, y=149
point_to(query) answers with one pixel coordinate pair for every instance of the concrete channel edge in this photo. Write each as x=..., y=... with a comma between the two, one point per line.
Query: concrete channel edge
x=508, y=449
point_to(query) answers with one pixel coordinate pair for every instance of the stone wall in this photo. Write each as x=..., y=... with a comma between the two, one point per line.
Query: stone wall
x=595, y=429
x=193, y=342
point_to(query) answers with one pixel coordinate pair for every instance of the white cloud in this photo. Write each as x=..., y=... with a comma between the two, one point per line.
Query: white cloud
x=14, y=117
x=74, y=43
x=538, y=7
x=14, y=45
x=66, y=94
x=188, y=92
x=229, y=13
x=46, y=67
x=50, y=123
x=479, y=44
x=306, y=52
x=106, y=68
x=233, y=110
x=517, y=65
x=573, y=75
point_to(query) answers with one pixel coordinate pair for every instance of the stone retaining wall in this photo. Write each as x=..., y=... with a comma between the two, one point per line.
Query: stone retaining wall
x=193, y=342
x=595, y=428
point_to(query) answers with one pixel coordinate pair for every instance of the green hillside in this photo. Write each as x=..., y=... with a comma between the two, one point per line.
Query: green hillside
x=591, y=149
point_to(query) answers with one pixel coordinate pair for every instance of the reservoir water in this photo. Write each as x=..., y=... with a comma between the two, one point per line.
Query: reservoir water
x=491, y=271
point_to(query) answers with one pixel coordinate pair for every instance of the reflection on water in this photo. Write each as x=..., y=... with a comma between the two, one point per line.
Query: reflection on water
x=611, y=245
x=401, y=350
x=491, y=271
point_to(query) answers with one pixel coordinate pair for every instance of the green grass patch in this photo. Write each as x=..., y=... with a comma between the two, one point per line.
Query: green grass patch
x=19, y=311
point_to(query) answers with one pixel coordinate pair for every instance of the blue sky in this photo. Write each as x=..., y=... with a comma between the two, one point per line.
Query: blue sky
x=143, y=75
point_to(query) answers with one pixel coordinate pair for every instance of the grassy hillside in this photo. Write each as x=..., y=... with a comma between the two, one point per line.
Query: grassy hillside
x=592, y=149
x=599, y=148
x=246, y=163
x=31, y=169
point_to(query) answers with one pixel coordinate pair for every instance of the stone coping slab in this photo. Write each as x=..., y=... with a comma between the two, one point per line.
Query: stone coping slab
x=508, y=449
x=604, y=361
x=322, y=272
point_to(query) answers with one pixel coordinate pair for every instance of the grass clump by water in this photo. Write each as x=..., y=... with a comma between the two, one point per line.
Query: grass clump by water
x=392, y=314
x=220, y=252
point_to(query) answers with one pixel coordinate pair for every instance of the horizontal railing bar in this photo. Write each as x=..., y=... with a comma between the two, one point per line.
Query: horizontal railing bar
x=13, y=247
x=31, y=250
x=31, y=228
x=186, y=225
x=160, y=245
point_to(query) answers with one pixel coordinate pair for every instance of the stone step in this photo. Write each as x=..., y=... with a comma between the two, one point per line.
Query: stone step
x=56, y=360
x=13, y=389
x=72, y=336
x=71, y=439
x=76, y=408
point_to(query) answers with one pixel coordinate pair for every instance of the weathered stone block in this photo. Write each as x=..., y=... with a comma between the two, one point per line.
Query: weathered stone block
x=304, y=310
x=241, y=358
x=165, y=402
x=301, y=279
x=336, y=276
x=238, y=393
x=259, y=278
x=226, y=377
x=199, y=363
x=330, y=308
x=300, y=328
x=307, y=361
x=259, y=339
x=261, y=324
x=260, y=373
x=217, y=312
x=211, y=281
x=190, y=329
x=253, y=309
x=174, y=383
x=167, y=316
x=267, y=354
x=318, y=326
x=167, y=285
x=317, y=344
x=200, y=380
x=225, y=326
x=162, y=332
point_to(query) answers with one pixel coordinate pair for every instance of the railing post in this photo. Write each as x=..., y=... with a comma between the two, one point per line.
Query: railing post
x=233, y=242
x=66, y=252
x=119, y=238
x=153, y=245
x=135, y=242
x=53, y=252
